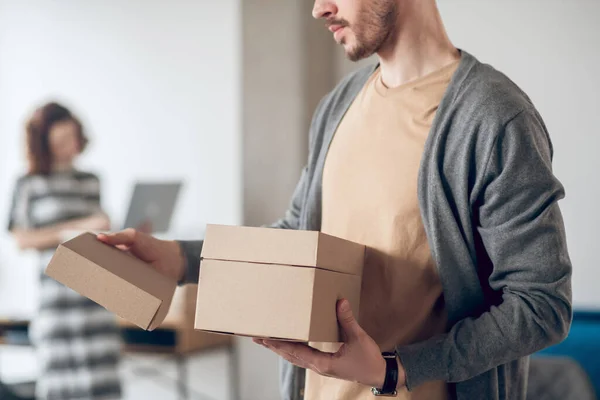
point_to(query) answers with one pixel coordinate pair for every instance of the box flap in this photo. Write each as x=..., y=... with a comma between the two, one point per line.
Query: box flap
x=260, y=245
x=282, y=246
x=103, y=287
x=123, y=265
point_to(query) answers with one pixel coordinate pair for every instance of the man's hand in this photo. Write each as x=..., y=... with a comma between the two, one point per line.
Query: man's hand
x=164, y=255
x=358, y=360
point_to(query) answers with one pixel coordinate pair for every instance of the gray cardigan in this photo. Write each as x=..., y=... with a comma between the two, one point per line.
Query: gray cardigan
x=488, y=199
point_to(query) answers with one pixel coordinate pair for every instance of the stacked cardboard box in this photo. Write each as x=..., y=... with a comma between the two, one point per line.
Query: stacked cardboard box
x=276, y=283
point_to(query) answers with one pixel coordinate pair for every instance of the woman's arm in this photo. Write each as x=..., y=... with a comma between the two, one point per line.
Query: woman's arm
x=51, y=236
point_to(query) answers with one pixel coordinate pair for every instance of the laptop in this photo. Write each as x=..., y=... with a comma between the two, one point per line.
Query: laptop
x=152, y=205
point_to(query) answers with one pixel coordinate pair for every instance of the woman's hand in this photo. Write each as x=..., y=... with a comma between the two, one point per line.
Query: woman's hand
x=96, y=222
x=53, y=235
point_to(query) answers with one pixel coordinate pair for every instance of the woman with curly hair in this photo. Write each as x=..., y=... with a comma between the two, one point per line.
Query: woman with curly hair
x=77, y=341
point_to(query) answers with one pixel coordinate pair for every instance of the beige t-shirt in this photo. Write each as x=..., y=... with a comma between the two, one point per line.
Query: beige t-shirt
x=370, y=197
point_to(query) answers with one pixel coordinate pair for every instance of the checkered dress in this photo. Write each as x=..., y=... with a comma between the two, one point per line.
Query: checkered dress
x=77, y=341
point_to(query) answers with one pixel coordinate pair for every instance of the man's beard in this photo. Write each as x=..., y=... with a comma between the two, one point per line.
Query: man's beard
x=373, y=26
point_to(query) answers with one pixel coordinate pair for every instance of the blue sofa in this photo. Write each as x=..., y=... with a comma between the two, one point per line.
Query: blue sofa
x=582, y=345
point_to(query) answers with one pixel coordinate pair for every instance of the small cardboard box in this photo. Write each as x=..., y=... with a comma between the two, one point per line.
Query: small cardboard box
x=282, y=284
x=114, y=279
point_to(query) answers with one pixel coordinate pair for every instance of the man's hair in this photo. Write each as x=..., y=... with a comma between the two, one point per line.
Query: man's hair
x=37, y=132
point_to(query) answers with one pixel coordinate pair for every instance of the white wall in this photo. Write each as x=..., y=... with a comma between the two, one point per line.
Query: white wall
x=551, y=48
x=156, y=83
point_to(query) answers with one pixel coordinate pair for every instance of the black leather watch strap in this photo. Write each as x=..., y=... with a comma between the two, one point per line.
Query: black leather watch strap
x=391, y=376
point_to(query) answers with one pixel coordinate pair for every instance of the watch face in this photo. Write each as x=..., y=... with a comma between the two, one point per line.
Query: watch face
x=379, y=393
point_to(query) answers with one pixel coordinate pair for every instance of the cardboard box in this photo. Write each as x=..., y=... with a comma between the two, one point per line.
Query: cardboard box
x=114, y=279
x=281, y=284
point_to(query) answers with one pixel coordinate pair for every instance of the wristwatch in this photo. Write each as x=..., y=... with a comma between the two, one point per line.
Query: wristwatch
x=391, y=377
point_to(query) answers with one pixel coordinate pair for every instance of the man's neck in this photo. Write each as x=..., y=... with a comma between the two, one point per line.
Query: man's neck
x=419, y=46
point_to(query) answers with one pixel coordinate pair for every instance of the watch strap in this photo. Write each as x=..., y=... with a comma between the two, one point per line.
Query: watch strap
x=391, y=376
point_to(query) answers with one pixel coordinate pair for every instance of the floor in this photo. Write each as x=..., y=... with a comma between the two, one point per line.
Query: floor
x=145, y=376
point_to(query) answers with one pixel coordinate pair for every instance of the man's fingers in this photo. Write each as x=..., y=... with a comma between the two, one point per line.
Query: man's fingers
x=300, y=350
x=138, y=244
x=125, y=237
x=294, y=360
x=350, y=327
x=314, y=359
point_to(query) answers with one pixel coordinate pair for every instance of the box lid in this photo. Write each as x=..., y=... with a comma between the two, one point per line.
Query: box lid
x=114, y=279
x=282, y=246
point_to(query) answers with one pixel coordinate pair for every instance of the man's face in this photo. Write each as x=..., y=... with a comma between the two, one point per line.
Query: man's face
x=361, y=26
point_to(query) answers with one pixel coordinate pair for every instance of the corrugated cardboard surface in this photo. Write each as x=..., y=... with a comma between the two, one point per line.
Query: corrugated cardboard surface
x=340, y=255
x=261, y=300
x=284, y=247
x=271, y=300
x=117, y=281
x=103, y=287
x=329, y=288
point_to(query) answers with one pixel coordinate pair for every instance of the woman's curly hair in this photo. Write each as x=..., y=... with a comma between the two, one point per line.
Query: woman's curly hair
x=38, y=131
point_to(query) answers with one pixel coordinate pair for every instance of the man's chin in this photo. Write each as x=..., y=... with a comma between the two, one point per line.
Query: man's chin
x=350, y=52
x=354, y=55
x=357, y=53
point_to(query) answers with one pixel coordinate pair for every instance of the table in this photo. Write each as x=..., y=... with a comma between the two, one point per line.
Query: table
x=178, y=343
x=175, y=339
